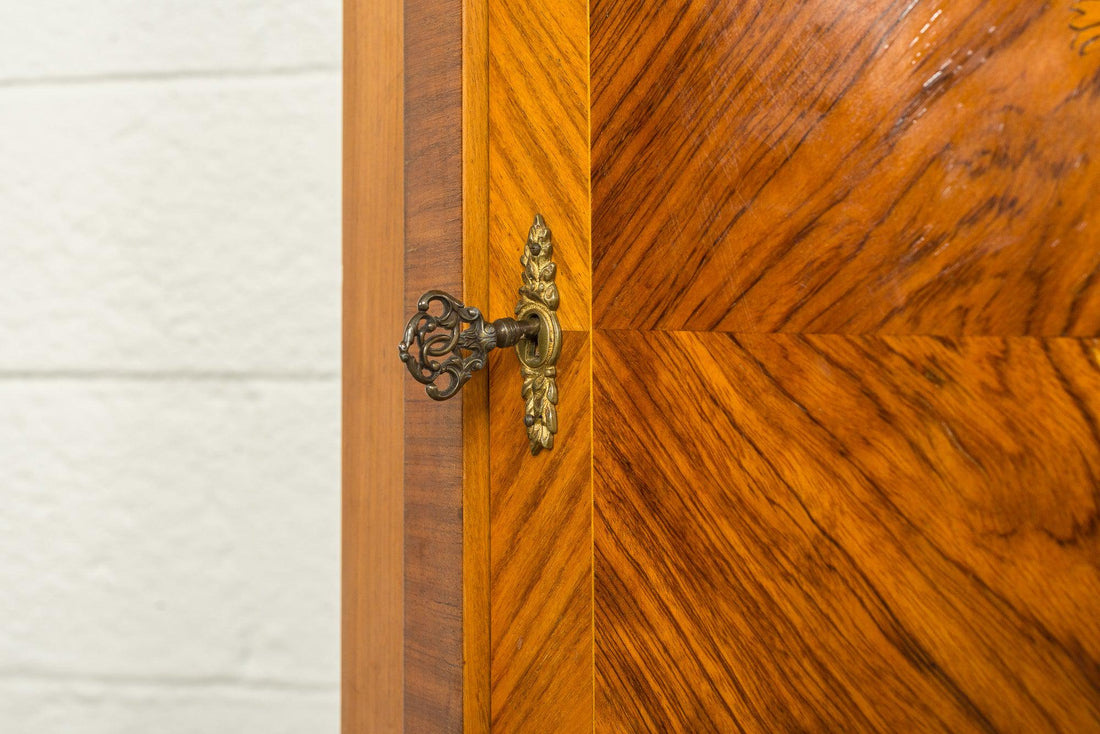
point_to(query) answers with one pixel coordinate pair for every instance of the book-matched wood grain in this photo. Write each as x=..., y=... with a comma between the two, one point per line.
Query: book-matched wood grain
x=538, y=146
x=372, y=576
x=541, y=549
x=833, y=533
x=887, y=166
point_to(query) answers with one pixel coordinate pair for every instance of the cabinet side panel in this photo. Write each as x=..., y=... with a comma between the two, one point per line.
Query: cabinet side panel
x=373, y=411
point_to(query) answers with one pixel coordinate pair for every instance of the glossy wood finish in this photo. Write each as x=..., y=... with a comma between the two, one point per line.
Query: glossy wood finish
x=873, y=528
x=538, y=146
x=541, y=518
x=373, y=411
x=475, y=398
x=830, y=533
x=890, y=166
x=541, y=540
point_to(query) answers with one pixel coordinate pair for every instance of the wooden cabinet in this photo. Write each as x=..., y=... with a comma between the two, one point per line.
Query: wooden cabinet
x=828, y=455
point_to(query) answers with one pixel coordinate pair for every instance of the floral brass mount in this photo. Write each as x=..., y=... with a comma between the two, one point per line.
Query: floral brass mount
x=535, y=333
x=1086, y=24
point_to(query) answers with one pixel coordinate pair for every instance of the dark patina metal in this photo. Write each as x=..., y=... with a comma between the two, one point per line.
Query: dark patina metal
x=436, y=345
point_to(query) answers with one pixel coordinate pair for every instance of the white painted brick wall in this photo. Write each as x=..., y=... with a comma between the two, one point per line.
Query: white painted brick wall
x=169, y=358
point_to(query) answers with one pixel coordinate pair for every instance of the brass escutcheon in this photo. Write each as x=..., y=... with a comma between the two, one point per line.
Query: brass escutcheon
x=435, y=345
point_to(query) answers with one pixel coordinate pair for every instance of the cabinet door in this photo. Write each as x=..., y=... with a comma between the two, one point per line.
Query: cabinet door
x=829, y=455
x=828, y=448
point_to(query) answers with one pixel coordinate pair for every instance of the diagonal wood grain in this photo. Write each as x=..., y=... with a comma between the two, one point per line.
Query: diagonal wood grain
x=541, y=506
x=538, y=146
x=830, y=533
x=541, y=551
x=891, y=166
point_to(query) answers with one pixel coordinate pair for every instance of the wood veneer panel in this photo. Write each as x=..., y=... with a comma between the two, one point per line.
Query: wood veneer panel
x=373, y=449
x=798, y=533
x=540, y=514
x=541, y=549
x=888, y=166
x=538, y=146
x=475, y=396
x=416, y=164
x=433, y=430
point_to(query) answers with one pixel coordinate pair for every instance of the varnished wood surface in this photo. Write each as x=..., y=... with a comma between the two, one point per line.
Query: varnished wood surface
x=892, y=166
x=541, y=506
x=832, y=533
x=538, y=145
x=541, y=548
x=870, y=529
x=433, y=433
x=475, y=396
x=373, y=448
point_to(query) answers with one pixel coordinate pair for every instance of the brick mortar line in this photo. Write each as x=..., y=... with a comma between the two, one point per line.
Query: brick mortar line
x=170, y=76
x=165, y=376
x=8, y=678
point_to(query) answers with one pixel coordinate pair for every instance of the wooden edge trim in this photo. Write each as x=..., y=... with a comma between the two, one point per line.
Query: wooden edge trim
x=378, y=280
x=373, y=411
x=433, y=489
x=475, y=407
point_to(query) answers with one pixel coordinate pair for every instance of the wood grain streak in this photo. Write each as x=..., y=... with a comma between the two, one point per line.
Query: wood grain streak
x=540, y=526
x=538, y=140
x=373, y=450
x=475, y=395
x=433, y=431
x=542, y=554
x=833, y=533
x=892, y=166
